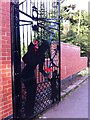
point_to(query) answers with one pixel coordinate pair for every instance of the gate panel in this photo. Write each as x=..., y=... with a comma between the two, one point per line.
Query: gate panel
x=37, y=33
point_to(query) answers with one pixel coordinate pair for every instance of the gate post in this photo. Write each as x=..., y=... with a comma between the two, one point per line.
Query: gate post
x=16, y=59
x=59, y=50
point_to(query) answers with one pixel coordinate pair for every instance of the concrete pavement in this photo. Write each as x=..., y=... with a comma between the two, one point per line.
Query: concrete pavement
x=75, y=105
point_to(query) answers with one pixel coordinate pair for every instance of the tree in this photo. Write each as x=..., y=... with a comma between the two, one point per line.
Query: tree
x=72, y=35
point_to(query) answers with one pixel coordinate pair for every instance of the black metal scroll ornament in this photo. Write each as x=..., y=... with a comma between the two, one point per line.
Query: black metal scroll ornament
x=35, y=18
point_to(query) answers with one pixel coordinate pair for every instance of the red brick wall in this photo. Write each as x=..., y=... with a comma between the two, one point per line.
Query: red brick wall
x=5, y=61
x=71, y=62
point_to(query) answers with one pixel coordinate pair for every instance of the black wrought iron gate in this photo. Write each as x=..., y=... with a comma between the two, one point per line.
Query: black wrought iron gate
x=35, y=31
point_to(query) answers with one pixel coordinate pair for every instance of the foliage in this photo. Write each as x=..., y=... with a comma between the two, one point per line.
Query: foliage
x=73, y=36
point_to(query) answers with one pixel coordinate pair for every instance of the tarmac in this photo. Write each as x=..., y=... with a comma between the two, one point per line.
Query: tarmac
x=74, y=103
x=73, y=86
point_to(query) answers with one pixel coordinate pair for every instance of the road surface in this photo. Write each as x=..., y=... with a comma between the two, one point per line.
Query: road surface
x=75, y=105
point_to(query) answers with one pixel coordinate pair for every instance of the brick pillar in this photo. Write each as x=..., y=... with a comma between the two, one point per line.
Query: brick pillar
x=5, y=61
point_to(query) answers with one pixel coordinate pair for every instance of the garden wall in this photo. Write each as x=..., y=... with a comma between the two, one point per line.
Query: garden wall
x=5, y=61
x=71, y=62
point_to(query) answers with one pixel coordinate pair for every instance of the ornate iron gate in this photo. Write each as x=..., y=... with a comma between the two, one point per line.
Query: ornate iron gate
x=35, y=28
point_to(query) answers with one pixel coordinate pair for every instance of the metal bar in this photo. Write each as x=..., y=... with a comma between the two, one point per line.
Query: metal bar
x=22, y=2
x=37, y=21
x=12, y=55
x=27, y=25
x=52, y=10
x=30, y=7
x=30, y=26
x=52, y=18
x=59, y=51
x=48, y=27
x=34, y=2
x=15, y=58
x=24, y=24
x=31, y=33
x=26, y=21
x=23, y=33
x=49, y=8
x=53, y=57
x=46, y=9
x=27, y=37
x=46, y=20
x=23, y=41
x=26, y=6
x=38, y=74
